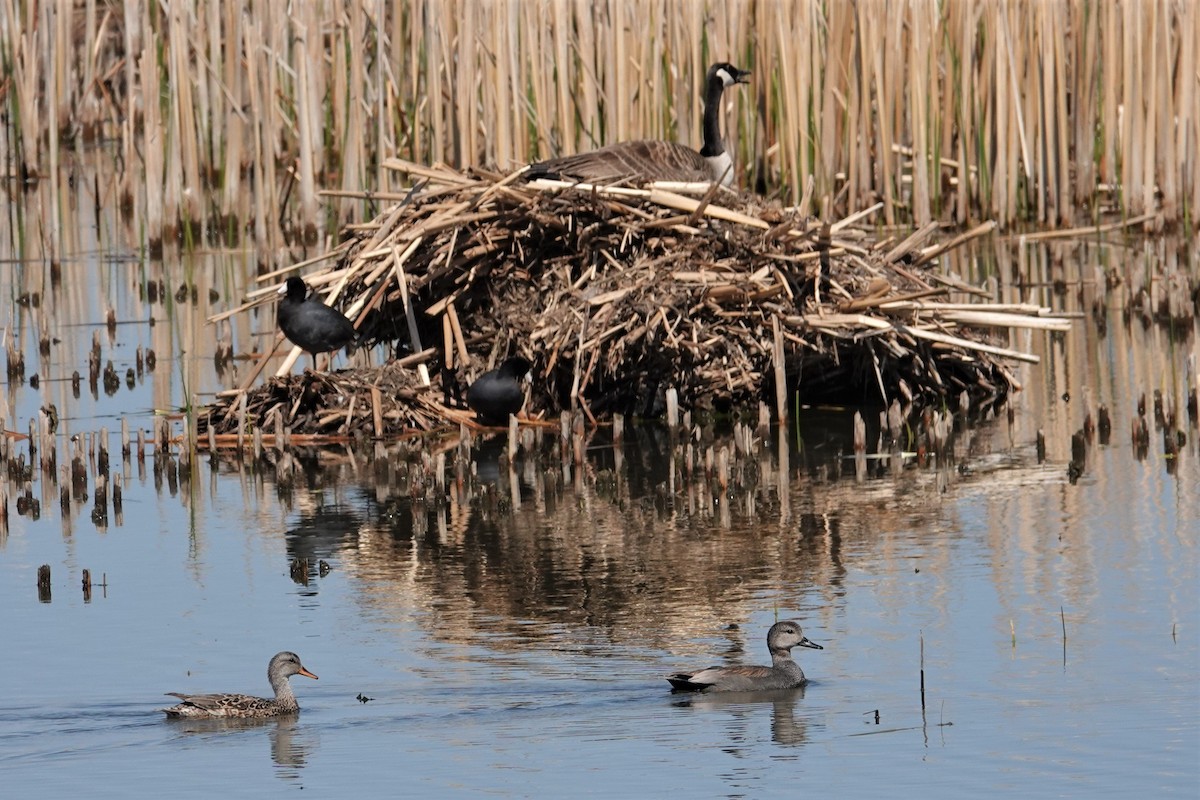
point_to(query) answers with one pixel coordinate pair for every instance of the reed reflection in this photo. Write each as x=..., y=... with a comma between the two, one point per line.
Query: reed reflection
x=652, y=537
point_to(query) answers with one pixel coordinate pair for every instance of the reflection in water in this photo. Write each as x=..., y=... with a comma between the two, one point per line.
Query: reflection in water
x=291, y=743
x=523, y=610
x=665, y=535
x=657, y=536
x=743, y=710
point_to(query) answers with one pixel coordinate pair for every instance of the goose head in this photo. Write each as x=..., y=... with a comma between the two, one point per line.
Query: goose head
x=727, y=74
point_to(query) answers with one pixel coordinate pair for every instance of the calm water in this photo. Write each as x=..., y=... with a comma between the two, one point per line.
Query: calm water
x=512, y=631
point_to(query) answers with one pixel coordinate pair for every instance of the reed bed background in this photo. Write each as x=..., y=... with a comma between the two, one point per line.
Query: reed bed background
x=232, y=119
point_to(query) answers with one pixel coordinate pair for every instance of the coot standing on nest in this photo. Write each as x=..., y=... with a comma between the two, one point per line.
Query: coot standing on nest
x=310, y=324
x=784, y=673
x=498, y=393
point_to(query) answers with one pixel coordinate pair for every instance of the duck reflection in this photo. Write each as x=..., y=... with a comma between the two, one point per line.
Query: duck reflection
x=292, y=743
x=744, y=709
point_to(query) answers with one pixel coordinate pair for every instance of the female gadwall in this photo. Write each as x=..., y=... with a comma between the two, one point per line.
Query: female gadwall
x=310, y=324
x=784, y=673
x=498, y=393
x=243, y=706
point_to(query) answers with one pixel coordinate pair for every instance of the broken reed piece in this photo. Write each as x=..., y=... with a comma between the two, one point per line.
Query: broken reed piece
x=43, y=583
x=101, y=494
x=162, y=443
x=577, y=439
x=779, y=359
x=860, y=433
x=672, y=398
x=102, y=452
x=64, y=490
x=94, y=360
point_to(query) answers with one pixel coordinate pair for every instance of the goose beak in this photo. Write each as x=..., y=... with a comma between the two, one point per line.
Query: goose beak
x=743, y=76
x=306, y=673
x=806, y=643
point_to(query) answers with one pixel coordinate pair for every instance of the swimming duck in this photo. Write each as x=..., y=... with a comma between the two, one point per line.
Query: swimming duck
x=244, y=706
x=498, y=393
x=784, y=673
x=310, y=324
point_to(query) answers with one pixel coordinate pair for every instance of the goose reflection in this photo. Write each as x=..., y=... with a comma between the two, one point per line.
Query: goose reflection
x=744, y=708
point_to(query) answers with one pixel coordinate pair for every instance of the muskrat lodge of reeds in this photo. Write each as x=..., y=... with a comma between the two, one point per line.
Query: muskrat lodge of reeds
x=621, y=297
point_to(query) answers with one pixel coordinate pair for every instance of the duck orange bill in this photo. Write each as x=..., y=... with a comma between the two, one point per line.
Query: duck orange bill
x=306, y=674
x=803, y=643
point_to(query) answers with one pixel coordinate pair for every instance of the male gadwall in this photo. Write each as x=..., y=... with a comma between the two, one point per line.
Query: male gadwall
x=310, y=324
x=784, y=673
x=498, y=393
x=243, y=706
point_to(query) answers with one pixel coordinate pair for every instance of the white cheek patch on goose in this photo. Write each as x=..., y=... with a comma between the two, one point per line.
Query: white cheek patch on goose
x=726, y=78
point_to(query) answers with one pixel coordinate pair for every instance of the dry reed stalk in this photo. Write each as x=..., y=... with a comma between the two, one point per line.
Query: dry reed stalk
x=152, y=144
x=55, y=26
x=309, y=91
x=348, y=102
x=1187, y=132
x=921, y=67
x=186, y=120
x=257, y=102
x=230, y=140
x=836, y=89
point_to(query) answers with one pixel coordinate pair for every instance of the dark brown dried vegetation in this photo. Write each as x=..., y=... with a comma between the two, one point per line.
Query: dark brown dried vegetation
x=616, y=295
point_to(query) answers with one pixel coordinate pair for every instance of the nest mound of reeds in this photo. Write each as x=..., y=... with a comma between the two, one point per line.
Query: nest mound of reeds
x=618, y=294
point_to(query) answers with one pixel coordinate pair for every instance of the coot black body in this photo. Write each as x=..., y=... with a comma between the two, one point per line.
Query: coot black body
x=498, y=393
x=310, y=324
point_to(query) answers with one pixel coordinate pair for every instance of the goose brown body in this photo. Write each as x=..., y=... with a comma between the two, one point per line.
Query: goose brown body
x=243, y=706
x=647, y=160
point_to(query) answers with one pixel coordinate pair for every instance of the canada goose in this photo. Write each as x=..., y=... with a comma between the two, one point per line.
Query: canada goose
x=497, y=393
x=310, y=324
x=784, y=673
x=647, y=160
x=244, y=706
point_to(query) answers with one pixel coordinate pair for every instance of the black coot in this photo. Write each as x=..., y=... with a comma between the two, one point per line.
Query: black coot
x=310, y=324
x=498, y=393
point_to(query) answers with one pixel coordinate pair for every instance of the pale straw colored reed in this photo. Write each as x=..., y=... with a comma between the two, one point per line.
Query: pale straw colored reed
x=1042, y=111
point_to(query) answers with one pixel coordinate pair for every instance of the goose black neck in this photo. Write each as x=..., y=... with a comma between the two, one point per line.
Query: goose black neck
x=713, y=145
